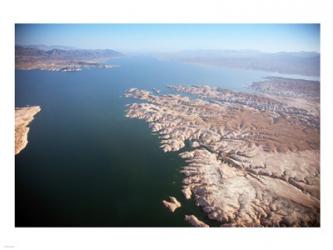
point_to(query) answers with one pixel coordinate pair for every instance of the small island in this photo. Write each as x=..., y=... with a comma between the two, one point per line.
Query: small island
x=23, y=117
x=172, y=204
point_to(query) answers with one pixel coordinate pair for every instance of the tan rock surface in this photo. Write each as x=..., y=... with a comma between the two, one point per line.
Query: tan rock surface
x=172, y=204
x=23, y=117
x=252, y=159
x=194, y=221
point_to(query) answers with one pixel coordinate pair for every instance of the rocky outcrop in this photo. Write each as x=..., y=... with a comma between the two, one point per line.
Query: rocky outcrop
x=23, y=117
x=194, y=221
x=172, y=204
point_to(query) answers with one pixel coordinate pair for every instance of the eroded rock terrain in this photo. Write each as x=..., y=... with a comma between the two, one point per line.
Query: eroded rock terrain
x=23, y=117
x=252, y=158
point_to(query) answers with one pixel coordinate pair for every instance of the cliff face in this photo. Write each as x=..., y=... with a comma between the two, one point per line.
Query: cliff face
x=23, y=117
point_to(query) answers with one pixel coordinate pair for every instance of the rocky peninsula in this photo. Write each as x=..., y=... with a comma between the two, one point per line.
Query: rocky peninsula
x=252, y=159
x=23, y=117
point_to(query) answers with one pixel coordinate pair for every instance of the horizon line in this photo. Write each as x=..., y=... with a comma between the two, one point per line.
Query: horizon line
x=167, y=51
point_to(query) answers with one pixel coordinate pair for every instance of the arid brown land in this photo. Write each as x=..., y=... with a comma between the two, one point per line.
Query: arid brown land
x=252, y=159
x=23, y=117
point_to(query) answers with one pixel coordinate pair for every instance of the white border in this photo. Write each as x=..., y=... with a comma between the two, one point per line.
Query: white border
x=171, y=11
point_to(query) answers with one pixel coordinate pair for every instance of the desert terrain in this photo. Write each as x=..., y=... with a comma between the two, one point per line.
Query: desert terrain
x=23, y=117
x=252, y=158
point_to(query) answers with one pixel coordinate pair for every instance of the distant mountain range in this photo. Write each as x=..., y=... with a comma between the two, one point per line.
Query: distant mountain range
x=47, y=47
x=65, y=54
x=33, y=57
x=302, y=63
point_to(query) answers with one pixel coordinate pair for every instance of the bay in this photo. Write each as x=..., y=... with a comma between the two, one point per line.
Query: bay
x=86, y=164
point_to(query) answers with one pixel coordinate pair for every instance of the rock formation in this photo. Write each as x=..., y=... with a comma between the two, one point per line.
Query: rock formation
x=252, y=158
x=23, y=117
x=172, y=204
x=194, y=221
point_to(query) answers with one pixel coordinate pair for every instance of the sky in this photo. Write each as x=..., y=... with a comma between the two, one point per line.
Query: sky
x=173, y=37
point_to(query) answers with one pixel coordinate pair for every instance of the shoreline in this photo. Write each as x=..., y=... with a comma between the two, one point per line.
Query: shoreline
x=23, y=117
x=234, y=170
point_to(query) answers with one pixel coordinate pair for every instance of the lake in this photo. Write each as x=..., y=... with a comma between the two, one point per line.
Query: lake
x=86, y=164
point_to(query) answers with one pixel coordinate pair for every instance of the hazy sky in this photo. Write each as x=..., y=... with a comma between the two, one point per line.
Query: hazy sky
x=173, y=37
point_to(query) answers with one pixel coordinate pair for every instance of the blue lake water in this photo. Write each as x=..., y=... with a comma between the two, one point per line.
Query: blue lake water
x=86, y=164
